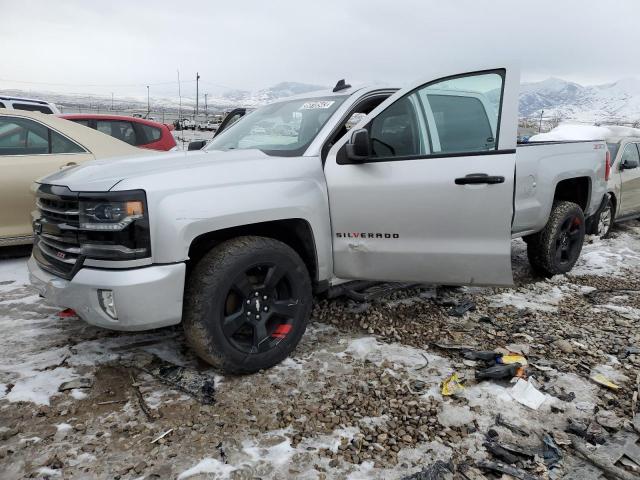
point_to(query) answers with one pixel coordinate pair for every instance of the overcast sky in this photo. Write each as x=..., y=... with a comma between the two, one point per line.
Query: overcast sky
x=122, y=45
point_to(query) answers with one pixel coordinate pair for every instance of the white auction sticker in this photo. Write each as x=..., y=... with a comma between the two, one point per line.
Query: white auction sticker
x=317, y=105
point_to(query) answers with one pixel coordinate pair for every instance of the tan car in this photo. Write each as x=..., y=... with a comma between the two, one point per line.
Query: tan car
x=33, y=145
x=623, y=197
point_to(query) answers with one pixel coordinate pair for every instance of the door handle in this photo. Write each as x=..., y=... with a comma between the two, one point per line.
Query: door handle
x=70, y=164
x=479, y=178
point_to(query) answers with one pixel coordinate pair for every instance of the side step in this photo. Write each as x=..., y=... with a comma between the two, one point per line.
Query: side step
x=363, y=291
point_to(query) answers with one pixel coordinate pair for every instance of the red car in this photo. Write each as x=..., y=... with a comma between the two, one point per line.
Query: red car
x=135, y=131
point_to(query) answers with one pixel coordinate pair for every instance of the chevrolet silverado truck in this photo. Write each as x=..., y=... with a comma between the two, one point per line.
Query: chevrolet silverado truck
x=233, y=241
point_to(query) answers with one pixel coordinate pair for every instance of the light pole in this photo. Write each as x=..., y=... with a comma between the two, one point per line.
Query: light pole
x=206, y=113
x=540, y=124
x=111, y=101
x=148, y=103
x=197, y=94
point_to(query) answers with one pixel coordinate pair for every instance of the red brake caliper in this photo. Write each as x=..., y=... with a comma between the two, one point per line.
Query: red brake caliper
x=281, y=331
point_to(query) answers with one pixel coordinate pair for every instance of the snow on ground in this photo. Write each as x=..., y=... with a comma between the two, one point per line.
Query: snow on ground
x=183, y=137
x=568, y=131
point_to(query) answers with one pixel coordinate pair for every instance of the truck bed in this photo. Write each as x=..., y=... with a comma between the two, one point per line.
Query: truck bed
x=541, y=166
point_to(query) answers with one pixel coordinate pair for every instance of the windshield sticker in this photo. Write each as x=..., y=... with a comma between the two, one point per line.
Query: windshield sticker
x=317, y=105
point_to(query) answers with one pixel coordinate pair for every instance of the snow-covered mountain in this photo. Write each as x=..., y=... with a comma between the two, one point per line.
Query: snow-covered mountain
x=612, y=102
x=617, y=102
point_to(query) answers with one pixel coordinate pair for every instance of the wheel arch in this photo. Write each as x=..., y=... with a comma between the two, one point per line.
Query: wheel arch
x=576, y=190
x=294, y=232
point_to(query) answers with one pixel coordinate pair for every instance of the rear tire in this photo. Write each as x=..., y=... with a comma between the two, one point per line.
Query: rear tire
x=247, y=304
x=556, y=248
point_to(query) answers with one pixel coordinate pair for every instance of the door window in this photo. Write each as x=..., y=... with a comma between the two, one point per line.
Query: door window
x=152, y=134
x=397, y=131
x=21, y=136
x=60, y=144
x=630, y=156
x=119, y=129
x=454, y=115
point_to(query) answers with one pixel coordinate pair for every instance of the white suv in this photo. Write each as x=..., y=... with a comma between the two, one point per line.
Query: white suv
x=28, y=104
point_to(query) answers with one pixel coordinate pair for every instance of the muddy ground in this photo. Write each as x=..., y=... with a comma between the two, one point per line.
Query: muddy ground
x=360, y=398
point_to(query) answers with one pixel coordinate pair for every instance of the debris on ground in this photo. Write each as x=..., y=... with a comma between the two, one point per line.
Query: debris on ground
x=500, y=467
x=498, y=372
x=77, y=383
x=452, y=386
x=462, y=307
x=438, y=471
x=185, y=379
x=600, y=379
x=525, y=392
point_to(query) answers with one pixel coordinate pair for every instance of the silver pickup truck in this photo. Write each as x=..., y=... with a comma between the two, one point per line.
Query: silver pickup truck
x=232, y=241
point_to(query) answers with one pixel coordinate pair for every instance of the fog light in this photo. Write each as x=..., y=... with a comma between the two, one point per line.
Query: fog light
x=108, y=303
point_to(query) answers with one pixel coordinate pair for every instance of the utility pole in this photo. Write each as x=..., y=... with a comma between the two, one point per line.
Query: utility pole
x=206, y=114
x=197, y=94
x=148, y=103
x=179, y=97
x=111, y=101
x=540, y=125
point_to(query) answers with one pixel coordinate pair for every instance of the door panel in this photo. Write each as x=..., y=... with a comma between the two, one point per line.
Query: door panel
x=418, y=209
x=24, y=157
x=630, y=181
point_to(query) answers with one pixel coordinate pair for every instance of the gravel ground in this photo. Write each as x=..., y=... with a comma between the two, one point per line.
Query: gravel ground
x=360, y=397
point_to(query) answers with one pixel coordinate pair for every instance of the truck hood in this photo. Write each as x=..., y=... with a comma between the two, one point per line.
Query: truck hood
x=103, y=175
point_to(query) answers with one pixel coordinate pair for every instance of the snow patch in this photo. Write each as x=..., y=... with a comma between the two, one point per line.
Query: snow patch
x=208, y=465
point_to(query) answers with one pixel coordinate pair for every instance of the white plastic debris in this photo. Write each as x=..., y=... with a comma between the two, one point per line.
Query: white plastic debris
x=527, y=394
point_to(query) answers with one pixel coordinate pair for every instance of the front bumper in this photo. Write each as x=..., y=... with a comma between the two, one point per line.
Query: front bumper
x=145, y=298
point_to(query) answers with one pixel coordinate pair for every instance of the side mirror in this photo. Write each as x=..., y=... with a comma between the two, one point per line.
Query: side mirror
x=626, y=165
x=358, y=148
x=197, y=144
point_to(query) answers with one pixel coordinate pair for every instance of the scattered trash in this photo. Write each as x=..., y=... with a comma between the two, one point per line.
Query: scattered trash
x=527, y=394
x=561, y=438
x=503, y=423
x=604, y=381
x=109, y=402
x=463, y=307
x=592, y=433
x=509, y=359
x=76, y=383
x=438, y=471
x=187, y=380
x=602, y=462
x=67, y=313
x=499, y=452
x=542, y=368
x=485, y=356
x=447, y=346
x=418, y=385
x=550, y=451
x=162, y=435
x=498, y=372
x=509, y=470
x=452, y=385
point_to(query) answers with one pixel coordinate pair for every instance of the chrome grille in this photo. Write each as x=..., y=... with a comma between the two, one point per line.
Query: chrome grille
x=56, y=221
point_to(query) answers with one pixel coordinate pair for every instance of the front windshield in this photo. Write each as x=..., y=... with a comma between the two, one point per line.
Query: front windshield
x=284, y=128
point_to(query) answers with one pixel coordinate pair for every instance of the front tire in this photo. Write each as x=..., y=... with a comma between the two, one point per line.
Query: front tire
x=247, y=304
x=556, y=248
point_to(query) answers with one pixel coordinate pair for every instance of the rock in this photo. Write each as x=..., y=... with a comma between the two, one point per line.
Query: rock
x=140, y=466
x=7, y=433
x=563, y=345
x=76, y=383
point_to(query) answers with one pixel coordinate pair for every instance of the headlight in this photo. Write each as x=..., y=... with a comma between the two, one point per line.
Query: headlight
x=114, y=225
